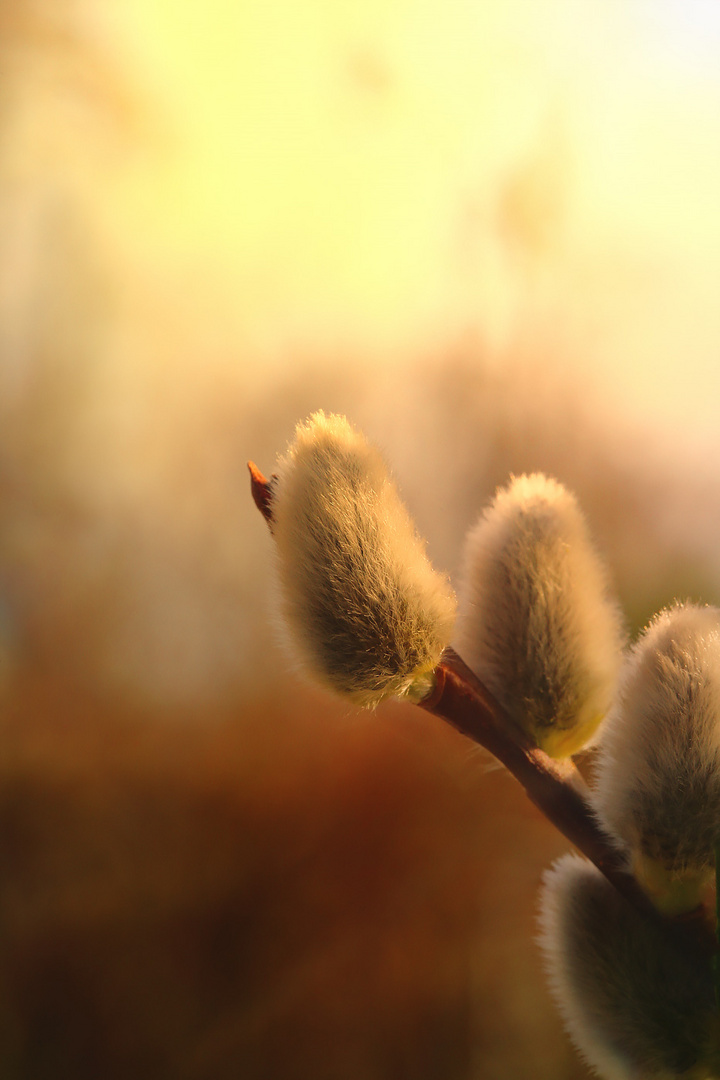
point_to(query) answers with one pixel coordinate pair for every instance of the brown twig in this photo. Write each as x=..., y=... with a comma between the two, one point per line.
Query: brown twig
x=557, y=790
x=460, y=698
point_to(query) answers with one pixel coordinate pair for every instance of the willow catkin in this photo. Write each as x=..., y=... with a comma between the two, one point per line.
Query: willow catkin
x=537, y=622
x=364, y=610
x=657, y=786
x=635, y=1001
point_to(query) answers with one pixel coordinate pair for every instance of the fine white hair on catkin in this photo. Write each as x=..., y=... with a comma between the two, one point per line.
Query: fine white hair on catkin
x=366, y=613
x=537, y=622
x=657, y=785
x=635, y=1001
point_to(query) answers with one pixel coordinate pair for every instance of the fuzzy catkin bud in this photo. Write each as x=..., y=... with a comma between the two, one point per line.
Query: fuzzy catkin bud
x=657, y=786
x=537, y=623
x=635, y=1001
x=365, y=611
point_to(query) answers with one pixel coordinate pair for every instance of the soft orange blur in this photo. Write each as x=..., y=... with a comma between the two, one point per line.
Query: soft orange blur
x=487, y=232
x=220, y=216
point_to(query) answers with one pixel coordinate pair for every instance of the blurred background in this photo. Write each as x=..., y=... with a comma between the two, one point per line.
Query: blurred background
x=488, y=233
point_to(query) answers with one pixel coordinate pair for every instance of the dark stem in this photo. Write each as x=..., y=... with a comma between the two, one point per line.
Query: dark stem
x=556, y=789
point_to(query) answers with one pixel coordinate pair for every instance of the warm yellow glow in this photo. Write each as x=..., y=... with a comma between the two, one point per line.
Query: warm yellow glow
x=330, y=176
x=380, y=171
x=686, y=30
x=364, y=183
x=330, y=158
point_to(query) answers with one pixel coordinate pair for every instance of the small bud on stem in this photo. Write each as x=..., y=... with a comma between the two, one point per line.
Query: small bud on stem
x=261, y=489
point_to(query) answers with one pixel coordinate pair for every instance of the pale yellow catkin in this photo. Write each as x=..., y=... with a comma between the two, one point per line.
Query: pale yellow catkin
x=657, y=784
x=537, y=620
x=365, y=611
x=636, y=1002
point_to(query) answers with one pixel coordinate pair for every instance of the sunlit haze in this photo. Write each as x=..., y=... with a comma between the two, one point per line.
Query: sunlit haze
x=374, y=176
x=488, y=233
x=220, y=216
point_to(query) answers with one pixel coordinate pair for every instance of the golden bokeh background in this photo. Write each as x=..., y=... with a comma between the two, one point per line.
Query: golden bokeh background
x=488, y=233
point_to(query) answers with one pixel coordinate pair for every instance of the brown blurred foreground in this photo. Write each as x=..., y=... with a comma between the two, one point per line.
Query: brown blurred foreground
x=300, y=891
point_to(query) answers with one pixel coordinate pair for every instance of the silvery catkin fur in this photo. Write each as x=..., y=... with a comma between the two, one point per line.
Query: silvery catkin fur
x=657, y=786
x=366, y=613
x=537, y=623
x=635, y=1001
